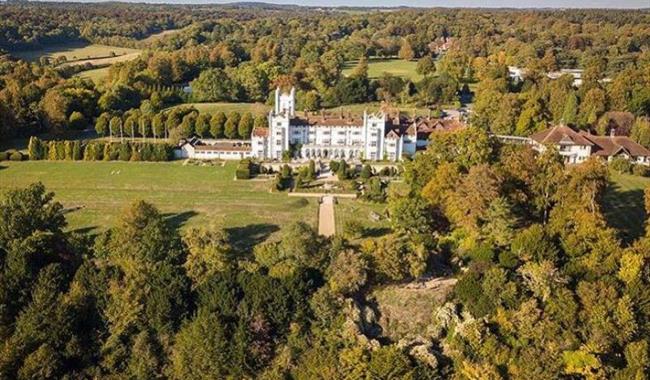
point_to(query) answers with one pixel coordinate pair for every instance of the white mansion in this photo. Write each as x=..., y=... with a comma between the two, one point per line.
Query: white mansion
x=309, y=136
x=576, y=147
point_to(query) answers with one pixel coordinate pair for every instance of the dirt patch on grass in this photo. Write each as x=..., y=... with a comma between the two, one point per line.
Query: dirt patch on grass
x=406, y=310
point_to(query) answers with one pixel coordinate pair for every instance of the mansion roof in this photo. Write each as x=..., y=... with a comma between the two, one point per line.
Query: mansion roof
x=600, y=145
x=395, y=127
x=260, y=132
x=422, y=126
x=217, y=145
x=327, y=121
x=560, y=135
x=613, y=145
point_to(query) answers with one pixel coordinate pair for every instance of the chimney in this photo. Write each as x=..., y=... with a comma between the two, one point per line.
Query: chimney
x=322, y=114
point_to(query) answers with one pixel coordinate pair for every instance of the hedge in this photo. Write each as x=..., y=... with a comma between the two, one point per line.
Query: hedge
x=641, y=170
x=16, y=156
x=98, y=151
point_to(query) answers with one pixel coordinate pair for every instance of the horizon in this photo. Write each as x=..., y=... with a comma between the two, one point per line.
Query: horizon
x=423, y=4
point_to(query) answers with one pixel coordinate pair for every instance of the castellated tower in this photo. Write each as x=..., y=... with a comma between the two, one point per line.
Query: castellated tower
x=285, y=102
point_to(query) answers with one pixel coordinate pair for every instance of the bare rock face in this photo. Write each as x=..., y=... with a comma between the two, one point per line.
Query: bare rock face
x=360, y=324
x=425, y=354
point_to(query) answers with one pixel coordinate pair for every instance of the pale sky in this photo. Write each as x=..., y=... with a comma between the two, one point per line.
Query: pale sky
x=621, y=4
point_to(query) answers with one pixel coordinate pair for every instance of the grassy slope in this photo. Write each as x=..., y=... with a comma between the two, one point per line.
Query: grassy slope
x=623, y=204
x=188, y=195
x=75, y=51
x=160, y=35
x=96, y=75
x=378, y=66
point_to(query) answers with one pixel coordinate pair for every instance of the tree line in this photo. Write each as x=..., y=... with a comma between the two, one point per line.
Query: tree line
x=75, y=150
x=545, y=287
x=179, y=122
x=245, y=53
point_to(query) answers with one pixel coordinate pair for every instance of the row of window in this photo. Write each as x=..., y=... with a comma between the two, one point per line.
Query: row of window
x=226, y=153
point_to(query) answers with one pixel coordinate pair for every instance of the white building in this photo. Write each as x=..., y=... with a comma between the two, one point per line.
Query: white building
x=368, y=136
x=328, y=136
x=208, y=149
x=576, y=147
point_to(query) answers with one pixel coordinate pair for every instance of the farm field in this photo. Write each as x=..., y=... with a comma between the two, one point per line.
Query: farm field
x=78, y=52
x=623, y=204
x=96, y=75
x=159, y=35
x=102, y=61
x=378, y=66
x=96, y=193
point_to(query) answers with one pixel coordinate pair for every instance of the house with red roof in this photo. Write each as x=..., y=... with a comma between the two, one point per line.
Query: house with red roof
x=576, y=147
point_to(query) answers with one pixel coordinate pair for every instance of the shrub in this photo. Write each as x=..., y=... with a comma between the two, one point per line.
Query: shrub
x=641, y=170
x=482, y=253
x=16, y=156
x=243, y=173
x=4, y=156
x=244, y=169
x=621, y=165
x=508, y=259
x=124, y=152
x=374, y=190
x=366, y=172
x=35, y=148
x=353, y=229
x=77, y=153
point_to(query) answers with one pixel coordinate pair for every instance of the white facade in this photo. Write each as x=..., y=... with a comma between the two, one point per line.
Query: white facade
x=571, y=153
x=214, y=149
x=367, y=137
x=339, y=137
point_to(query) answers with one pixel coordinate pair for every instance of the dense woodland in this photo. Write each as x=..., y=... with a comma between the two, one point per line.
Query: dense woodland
x=241, y=54
x=545, y=288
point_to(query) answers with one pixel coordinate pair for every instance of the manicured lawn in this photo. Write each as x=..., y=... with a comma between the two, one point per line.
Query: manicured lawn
x=623, y=205
x=76, y=52
x=352, y=209
x=96, y=193
x=378, y=66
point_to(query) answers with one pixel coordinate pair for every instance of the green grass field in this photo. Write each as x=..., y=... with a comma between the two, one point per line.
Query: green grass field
x=96, y=75
x=623, y=205
x=378, y=66
x=160, y=35
x=76, y=52
x=351, y=209
x=97, y=192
